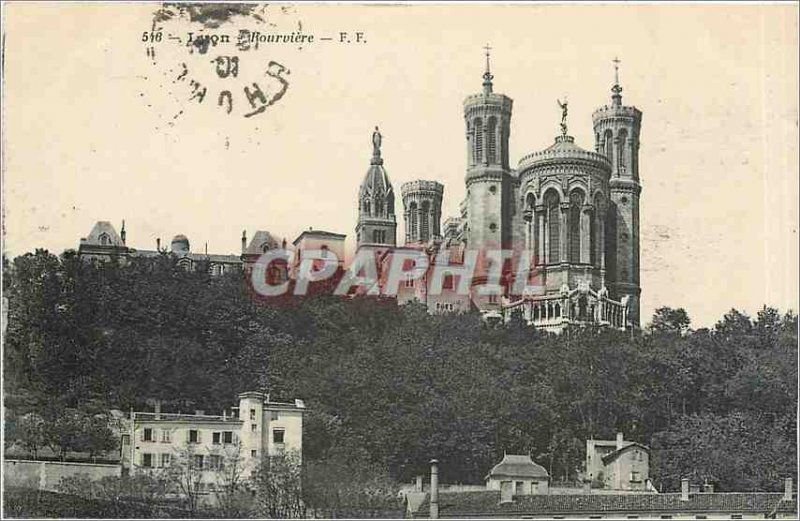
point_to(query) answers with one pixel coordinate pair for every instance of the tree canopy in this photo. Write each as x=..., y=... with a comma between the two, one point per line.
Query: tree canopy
x=392, y=387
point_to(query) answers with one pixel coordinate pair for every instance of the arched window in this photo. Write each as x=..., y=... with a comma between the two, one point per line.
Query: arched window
x=105, y=240
x=608, y=143
x=366, y=206
x=491, y=136
x=575, y=203
x=622, y=138
x=553, y=228
x=413, y=218
x=424, y=221
x=530, y=201
x=597, y=215
x=478, y=153
x=379, y=207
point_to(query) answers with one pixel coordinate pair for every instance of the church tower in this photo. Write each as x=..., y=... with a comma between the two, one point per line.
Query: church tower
x=422, y=206
x=376, y=220
x=616, y=129
x=488, y=119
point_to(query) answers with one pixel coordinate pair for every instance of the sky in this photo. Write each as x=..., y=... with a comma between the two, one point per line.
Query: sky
x=96, y=128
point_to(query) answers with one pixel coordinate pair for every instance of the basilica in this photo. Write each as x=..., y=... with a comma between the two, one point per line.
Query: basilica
x=575, y=212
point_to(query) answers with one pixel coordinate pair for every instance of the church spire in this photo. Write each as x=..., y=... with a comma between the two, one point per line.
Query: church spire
x=487, y=76
x=616, y=90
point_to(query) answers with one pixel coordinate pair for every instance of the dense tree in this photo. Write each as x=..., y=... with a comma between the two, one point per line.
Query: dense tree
x=387, y=387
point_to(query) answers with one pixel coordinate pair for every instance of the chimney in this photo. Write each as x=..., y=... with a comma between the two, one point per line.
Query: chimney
x=708, y=488
x=418, y=484
x=158, y=244
x=244, y=241
x=434, y=489
x=506, y=492
x=158, y=409
x=787, y=489
x=199, y=412
x=122, y=232
x=620, y=439
x=694, y=488
x=684, y=489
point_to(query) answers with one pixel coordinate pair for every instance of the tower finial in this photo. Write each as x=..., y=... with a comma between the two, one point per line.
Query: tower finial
x=616, y=96
x=487, y=76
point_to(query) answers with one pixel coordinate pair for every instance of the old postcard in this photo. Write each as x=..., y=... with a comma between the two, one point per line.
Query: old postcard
x=400, y=260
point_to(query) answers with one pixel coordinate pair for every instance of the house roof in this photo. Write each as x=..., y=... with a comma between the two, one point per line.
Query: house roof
x=487, y=503
x=611, y=456
x=100, y=228
x=514, y=465
x=260, y=239
x=319, y=233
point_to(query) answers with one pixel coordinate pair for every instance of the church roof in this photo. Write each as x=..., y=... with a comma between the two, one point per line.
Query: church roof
x=565, y=144
x=376, y=181
x=518, y=466
x=564, y=149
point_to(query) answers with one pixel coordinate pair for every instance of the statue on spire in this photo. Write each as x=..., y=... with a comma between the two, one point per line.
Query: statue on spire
x=376, y=142
x=563, y=115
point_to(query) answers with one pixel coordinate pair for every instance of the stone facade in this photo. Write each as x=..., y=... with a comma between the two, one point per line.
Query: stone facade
x=574, y=212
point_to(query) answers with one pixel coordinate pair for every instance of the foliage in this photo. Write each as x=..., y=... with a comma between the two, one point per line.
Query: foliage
x=388, y=388
x=278, y=487
x=342, y=487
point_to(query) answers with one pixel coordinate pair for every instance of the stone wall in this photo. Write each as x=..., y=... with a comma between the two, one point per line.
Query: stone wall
x=45, y=475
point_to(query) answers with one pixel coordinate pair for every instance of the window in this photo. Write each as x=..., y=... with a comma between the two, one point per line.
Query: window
x=518, y=490
x=277, y=435
x=147, y=460
x=424, y=221
x=535, y=487
x=126, y=439
x=215, y=438
x=165, y=436
x=215, y=462
x=324, y=251
x=194, y=436
x=576, y=201
x=165, y=460
x=477, y=155
x=197, y=461
x=252, y=414
x=253, y=453
x=147, y=434
x=253, y=427
x=736, y=516
x=408, y=283
x=447, y=282
x=553, y=228
x=700, y=516
x=491, y=134
x=104, y=239
x=227, y=437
